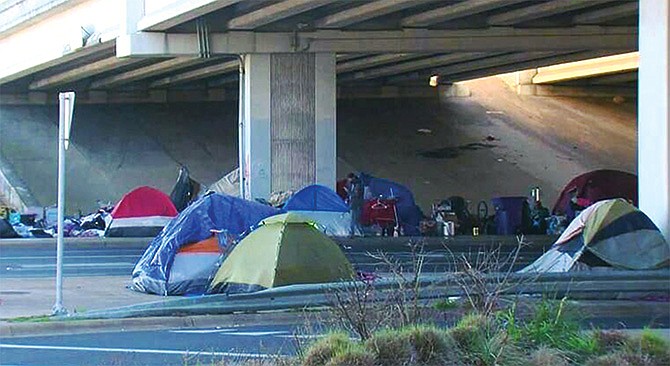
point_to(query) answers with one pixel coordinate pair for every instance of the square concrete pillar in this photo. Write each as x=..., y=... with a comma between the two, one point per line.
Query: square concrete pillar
x=288, y=129
x=653, y=113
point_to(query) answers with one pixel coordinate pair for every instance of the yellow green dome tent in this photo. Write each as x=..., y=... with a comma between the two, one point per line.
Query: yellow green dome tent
x=284, y=250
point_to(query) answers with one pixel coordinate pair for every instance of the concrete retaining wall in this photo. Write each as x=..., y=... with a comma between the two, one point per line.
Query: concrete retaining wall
x=436, y=149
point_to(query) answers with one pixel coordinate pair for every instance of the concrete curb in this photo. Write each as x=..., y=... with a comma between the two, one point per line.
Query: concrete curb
x=18, y=330
x=30, y=329
x=539, y=242
x=78, y=243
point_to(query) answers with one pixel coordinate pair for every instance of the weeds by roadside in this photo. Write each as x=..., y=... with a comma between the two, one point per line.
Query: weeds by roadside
x=401, y=325
x=400, y=329
x=362, y=308
x=479, y=340
x=31, y=319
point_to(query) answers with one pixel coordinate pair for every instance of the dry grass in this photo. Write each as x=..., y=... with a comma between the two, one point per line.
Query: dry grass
x=324, y=349
x=357, y=356
x=544, y=356
x=390, y=348
x=610, y=340
x=432, y=346
x=622, y=359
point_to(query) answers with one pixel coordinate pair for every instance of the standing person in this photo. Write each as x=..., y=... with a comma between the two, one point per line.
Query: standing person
x=355, y=190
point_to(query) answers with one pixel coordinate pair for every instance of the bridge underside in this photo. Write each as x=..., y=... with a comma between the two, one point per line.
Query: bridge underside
x=175, y=50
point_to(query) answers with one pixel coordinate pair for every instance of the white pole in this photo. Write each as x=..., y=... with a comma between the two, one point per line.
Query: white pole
x=240, y=133
x=66, y=104
x=654, y=113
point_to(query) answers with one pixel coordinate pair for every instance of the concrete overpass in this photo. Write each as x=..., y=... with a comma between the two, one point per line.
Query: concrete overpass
x=375, y=42
x=608, y=76
x=297, y=55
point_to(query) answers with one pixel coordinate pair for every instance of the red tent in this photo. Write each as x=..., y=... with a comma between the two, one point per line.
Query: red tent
x=142, y=212
x=595, y=186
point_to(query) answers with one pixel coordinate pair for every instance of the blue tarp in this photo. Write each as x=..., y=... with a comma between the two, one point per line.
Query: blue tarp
x=211, y=212
x=409, y=214
x=316, y=198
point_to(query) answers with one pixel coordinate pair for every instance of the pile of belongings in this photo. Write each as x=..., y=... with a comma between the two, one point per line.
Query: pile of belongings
x=609, y=233
x=185, y=190
x=7, y=230
x=451, y=210
x=11, y=223
x=228, y=185
x=29, y=226
x=381, y=205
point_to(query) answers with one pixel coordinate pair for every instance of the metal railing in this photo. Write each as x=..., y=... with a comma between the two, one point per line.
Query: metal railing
x=434, y=286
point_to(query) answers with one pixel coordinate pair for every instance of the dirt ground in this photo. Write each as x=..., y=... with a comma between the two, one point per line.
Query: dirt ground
x=494, y=143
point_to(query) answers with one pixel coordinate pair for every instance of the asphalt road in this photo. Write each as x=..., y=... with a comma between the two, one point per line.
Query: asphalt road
x=41, y=262
x=163, y=347
x=202, y=346
x=118, y=260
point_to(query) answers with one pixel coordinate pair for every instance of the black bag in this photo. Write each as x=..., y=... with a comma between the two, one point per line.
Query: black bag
x=7, y=231
x=459, y=206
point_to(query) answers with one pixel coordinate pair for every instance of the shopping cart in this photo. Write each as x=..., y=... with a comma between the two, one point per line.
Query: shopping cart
x=381, y=212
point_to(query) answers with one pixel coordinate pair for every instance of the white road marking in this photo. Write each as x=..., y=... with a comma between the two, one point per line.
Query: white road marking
x=201, y=331
x=255, y=334
x=302, y=336
x=51, y=265
x=74, y=257
x=133, y=350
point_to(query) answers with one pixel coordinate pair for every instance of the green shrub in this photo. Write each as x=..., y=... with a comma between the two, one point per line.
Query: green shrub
x=483, y=343
x=432, y=346
x=476, y=320
x=544, y=356
x=324, y=349
x=390, y=347
x=355, y=355
x=552, y=325
x=472, y=331
x=655, y=346
x=651, y=344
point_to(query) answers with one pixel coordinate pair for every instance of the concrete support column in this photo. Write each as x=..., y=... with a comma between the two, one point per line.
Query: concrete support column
x=132, y=12
x=524, y=82
x=653, y=113
x=288, y=122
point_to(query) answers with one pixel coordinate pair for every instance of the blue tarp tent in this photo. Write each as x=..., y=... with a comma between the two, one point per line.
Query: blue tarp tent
x=409, y=214
x=211, y=212
x=316, y=198
x=324, y=207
